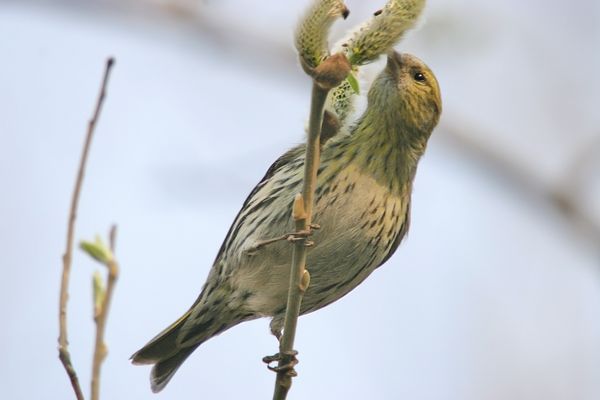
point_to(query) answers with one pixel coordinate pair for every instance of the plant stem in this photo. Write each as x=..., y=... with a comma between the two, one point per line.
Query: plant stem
x=63, y=342
x=302, y=214
x=100, y=347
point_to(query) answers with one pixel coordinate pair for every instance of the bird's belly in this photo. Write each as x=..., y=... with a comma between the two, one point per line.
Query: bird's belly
x=359, y=220
x=358, y=231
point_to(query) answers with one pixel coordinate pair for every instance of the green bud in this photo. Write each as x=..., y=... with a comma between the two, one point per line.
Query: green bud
x=97, y=250
x=99, y=292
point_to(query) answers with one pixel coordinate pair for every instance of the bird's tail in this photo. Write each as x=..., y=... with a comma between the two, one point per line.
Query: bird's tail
x=170, y=348
x=165, y=353
x=163, y=371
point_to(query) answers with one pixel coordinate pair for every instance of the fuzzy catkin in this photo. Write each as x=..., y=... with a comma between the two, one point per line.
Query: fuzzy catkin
x=383, y=30
x=370, y=40
x=312, y=33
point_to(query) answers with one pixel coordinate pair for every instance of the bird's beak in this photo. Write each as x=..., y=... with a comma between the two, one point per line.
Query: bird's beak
x=394, y=61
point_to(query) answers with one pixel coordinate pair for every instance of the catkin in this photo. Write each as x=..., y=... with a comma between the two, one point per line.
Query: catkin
x=313, y=30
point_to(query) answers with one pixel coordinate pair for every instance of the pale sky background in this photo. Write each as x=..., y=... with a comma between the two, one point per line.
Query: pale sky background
x=495, y=294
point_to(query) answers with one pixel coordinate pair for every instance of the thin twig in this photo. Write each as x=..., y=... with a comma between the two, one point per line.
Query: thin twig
x=327, y=73
x=63, y=343
x=100, y=347
x=302, y=216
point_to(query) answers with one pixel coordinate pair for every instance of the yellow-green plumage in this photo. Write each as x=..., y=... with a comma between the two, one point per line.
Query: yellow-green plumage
x=362, y=203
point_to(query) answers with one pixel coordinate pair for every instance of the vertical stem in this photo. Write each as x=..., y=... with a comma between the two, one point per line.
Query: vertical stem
x=302, y=214
x=100, y=347
x=313, y=153
x=63, y=342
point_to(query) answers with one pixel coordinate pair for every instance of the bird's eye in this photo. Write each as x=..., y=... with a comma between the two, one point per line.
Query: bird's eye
x=419, y=77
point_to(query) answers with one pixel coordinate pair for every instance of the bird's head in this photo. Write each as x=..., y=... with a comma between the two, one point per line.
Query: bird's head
x=409, y=89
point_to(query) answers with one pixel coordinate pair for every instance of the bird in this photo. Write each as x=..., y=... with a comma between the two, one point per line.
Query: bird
x=362, y=205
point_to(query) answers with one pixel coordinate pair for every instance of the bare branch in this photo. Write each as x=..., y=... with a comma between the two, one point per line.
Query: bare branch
x=302, y=214
x=63, y=343
x=326, y=75
x=100, y=350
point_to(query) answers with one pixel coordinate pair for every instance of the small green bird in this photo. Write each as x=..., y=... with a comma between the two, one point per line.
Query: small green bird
x=362, y=203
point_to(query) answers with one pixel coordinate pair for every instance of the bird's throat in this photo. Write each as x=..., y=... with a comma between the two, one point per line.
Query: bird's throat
x=387, y=149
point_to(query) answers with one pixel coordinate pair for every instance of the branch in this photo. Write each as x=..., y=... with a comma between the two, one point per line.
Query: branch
x=299, y=276
x=326, y=75
x=63, y=343
x=102, y=298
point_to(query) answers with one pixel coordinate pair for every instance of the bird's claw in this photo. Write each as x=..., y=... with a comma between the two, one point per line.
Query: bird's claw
x=290, y=237
x=304, y=234
x=299, y=235
x=288, y=367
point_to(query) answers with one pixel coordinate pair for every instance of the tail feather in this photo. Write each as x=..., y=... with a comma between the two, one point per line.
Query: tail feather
x=170, y=348
x=166, y=353
x=163, y=371
x=162, y=346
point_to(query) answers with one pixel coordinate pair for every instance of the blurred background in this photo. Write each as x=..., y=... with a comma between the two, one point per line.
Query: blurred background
x=495, y=293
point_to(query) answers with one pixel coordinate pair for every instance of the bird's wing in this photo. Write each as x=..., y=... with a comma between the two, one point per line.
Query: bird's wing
x=401, y=234
x=282, y=161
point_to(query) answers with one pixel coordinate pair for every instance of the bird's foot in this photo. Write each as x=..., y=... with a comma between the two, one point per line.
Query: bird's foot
x=286, y=362
x=290, y=237
x=304, y=235
x=301, y=235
